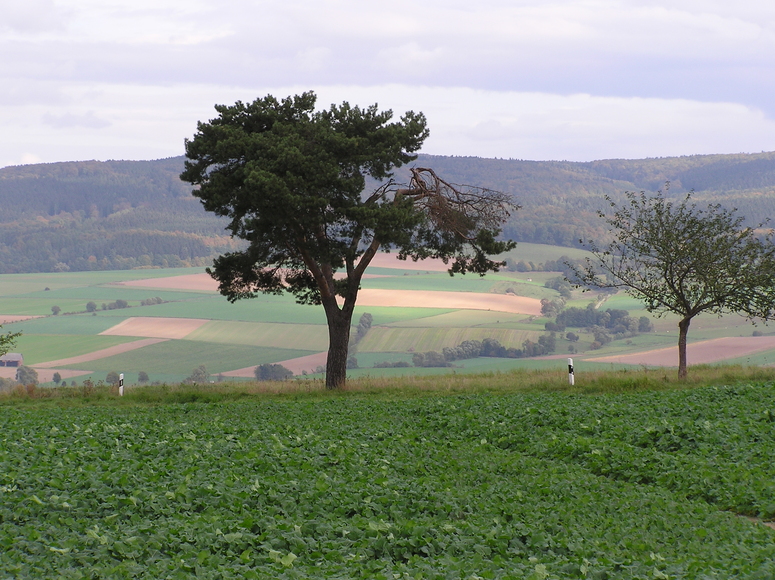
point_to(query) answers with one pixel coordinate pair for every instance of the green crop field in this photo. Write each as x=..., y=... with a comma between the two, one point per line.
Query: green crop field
x=68, y=325
x=23, y=306
x=112, y=292
x=181, y=357
x=312, y=337
x=650, y=485
x=25, y=283
x=388, y=339
x=461, y=318
x=38, y=348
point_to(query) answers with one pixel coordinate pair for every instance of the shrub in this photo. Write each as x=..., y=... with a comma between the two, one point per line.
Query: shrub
x=200, y=375
x=272, y=372
x=26, y=375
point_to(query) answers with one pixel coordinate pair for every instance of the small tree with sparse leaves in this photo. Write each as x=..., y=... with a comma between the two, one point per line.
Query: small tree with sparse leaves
x=200, y=375
x=682, y=259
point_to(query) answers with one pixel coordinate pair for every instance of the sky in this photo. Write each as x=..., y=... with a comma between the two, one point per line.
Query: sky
x=525, y=79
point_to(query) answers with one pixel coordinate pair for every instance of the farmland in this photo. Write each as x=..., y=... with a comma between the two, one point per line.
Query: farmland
x=519, y=485
x=415, y=307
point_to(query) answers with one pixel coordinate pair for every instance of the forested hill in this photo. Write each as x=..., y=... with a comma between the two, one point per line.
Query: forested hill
x=560, y=199
x=90, y=215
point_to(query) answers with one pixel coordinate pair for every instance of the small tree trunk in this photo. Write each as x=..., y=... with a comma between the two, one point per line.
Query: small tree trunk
x=339, y=322
x=683, y=330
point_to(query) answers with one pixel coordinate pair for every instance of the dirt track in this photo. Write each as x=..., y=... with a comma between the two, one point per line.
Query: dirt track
x=194, y=282
x=6, y=318
x=707, y=351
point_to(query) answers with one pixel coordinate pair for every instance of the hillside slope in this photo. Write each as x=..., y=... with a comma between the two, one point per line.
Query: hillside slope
x=90, y=215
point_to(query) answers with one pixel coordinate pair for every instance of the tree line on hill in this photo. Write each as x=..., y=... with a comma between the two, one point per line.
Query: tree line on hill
x=488, y=347
x=111, y=215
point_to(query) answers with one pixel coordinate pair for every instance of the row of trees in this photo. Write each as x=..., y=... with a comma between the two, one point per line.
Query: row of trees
x=489, y=347
x=616, y=320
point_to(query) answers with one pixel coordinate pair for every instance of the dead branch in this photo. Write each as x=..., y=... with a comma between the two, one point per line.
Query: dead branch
x=462, y=209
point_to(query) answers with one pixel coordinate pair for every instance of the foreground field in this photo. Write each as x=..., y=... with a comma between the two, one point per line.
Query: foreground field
x=539, y=486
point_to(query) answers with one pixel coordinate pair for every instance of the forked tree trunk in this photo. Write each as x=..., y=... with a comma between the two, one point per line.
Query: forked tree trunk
x=339, y=323
x=683, y=330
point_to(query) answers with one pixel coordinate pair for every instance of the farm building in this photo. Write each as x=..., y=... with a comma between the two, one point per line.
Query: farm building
x=12, y=359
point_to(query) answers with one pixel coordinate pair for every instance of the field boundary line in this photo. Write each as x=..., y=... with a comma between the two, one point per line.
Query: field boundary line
x=102, y=353
x=296, y=365
x=702, y=352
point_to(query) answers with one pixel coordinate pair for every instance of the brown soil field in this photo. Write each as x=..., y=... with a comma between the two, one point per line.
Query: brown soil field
x=706, y=351
x=453, y=300
x=296, y=365
x=383, y=260
x=195, y=282
x=204, y=283
x=152, y=327
x=98, y=354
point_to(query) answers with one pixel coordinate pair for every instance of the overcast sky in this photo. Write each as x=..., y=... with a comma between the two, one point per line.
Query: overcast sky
x=527, y=79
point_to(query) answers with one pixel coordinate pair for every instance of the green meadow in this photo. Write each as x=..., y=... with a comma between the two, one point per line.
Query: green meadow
x=434, y=338
x=38, y=348
x=180, y=357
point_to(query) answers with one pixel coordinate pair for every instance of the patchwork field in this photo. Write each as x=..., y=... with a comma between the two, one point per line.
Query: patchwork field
x=296, y=336
x=385, y=339
x=175, y=321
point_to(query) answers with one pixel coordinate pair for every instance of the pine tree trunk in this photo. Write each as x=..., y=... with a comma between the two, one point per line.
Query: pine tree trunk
x=683, y=330
x=339, y=322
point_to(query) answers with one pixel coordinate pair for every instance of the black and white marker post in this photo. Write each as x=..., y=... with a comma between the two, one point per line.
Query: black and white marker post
x=570, y=372
x=121, y=385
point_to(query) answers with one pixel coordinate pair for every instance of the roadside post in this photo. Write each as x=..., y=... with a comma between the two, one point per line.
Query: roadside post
x=121, y=385
x=571, y=380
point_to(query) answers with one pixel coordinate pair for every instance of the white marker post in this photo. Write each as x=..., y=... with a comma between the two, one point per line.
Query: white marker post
x=570, y=372
x=121, y=385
